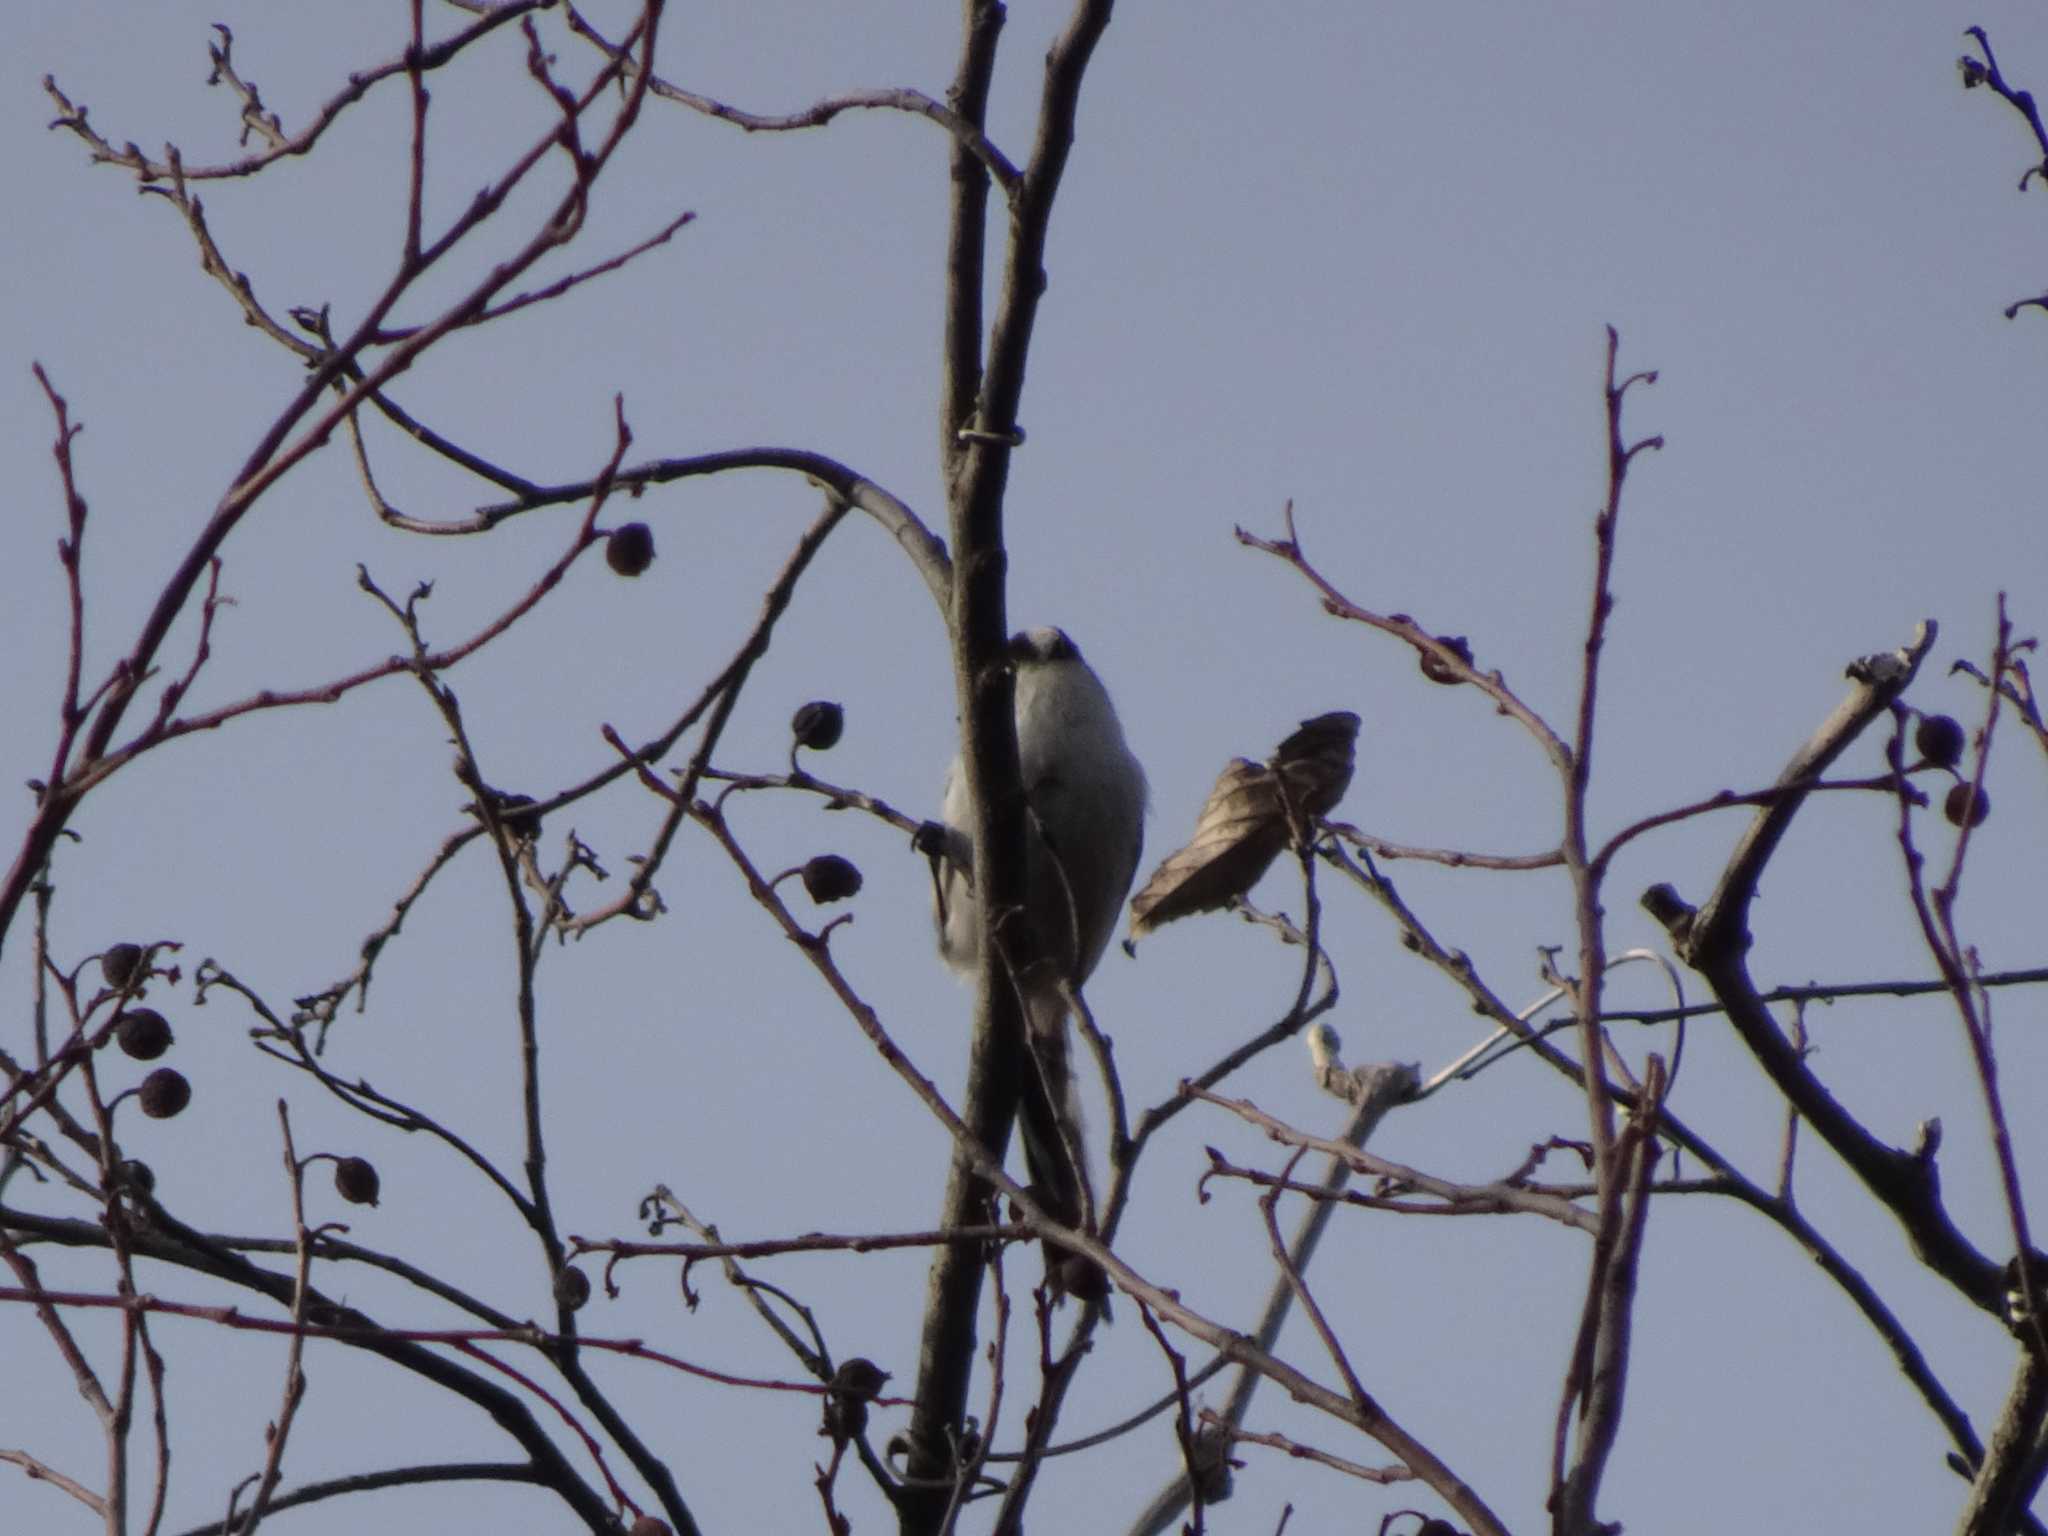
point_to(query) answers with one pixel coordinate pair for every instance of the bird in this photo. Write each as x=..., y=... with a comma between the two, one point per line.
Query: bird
x=1085, y=795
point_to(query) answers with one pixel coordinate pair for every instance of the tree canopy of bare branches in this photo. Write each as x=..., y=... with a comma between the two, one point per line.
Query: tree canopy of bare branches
x=471, y=1045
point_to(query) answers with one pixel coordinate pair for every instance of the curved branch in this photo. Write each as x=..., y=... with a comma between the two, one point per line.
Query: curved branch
x=169, y=1241
x=392, y=1477
x=1715, y=941
x=1433, y=652
x=965, y=128
x=925, y=549
x=73, y=119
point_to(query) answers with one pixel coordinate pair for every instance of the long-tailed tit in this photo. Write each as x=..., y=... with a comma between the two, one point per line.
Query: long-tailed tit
x=1085, y=830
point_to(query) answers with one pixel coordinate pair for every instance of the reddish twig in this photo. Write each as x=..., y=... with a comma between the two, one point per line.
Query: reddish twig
x=73, y=118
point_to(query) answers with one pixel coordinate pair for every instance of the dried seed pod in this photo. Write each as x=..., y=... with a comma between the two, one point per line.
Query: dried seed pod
x=647, y=1525
x=854, y=1385
x=143, y=1033
x=356, y=1181
x=629, y=548
x=119, y=964
x=516, y=812
x=1939, y=739
x=816, y=725
x=572, y=1287
x=859, y=1378
x=1959, y=804
x=164, y=1093
x=828, y=878
x=1433, y=666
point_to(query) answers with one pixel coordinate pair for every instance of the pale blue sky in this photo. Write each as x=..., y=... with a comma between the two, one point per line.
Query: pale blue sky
x=1356, y=255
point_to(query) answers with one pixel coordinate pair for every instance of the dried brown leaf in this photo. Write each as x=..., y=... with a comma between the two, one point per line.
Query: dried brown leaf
x=1244, y=822
x=1316, y=761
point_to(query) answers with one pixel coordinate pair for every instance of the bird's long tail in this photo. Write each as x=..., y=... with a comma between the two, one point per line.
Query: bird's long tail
x=1049, y=1114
